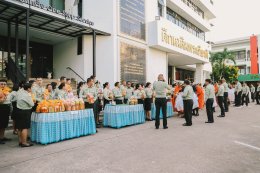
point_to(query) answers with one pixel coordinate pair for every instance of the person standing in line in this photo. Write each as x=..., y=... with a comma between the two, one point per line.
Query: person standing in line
x=221, y=97
x=38, y=92
x=89, y=95
x=225, y=85
x=245, y=94
x=118, y=94
x=200, y=94
x=238, y=93
x=148, y=100
x=252, y=90
x=13, y=100
x=187, y=96
x=5, y=107
x=258, y=94
x=123, y=88
x=129, y=91
x=160, y=88
x=139, y=93
x=24, y=110
x=108, y=95
x=209, y=97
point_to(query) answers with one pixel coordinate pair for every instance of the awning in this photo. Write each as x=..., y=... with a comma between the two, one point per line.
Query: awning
x=249, y=78
x=43, y=21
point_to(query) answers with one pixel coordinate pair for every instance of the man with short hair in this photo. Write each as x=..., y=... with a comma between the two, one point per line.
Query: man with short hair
x=220, y=96
x=238, y=93
x=209, y=97
x=89, y=95
x=38, y=90
x=129, y=91
x=62, y=79
x=258, y=94
x=187, y=96
x=159, y=88
x=245, y=94
x=225, y=101
x=252, y=90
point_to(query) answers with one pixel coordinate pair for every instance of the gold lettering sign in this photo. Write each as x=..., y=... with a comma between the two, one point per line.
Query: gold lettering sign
x=182, y=44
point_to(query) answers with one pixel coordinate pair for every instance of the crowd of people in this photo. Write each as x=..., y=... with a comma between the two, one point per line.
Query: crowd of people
x=187, y=99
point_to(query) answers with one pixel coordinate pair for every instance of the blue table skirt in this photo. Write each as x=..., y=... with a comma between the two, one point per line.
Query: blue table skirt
x=169, y=112
x=53, y=127
x=123, y=115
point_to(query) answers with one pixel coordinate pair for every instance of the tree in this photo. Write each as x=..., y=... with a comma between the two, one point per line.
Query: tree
x=220, y=69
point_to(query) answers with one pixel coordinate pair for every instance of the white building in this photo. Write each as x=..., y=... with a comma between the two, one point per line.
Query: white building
x=130, y=39
x=241, y=49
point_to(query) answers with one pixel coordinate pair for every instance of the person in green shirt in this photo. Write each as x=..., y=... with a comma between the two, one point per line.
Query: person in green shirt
x=188, y=102
x=24, y=110
x=238, y=93
x=108, y=95
x=245, y=94
x=160, y=88
x=209, y=97
x=62, y=92
x=225, y=85
x=118, y=94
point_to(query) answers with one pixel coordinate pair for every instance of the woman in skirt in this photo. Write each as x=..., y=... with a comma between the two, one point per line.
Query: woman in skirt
x=23, y=117
x=148, y=100
x=13, y=100
x=139, y=93
x=4, y=110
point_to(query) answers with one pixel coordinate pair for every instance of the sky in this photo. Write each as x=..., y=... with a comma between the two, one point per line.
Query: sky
x=235, y=18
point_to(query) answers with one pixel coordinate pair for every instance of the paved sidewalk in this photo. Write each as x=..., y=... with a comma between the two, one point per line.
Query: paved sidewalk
x=230, y=145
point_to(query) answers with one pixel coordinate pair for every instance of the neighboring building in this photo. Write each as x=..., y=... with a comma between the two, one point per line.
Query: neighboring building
x=149, y=37
x=130, y=39
x=242, y=49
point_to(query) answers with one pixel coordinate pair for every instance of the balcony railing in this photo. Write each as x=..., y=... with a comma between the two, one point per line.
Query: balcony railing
x=194, y=7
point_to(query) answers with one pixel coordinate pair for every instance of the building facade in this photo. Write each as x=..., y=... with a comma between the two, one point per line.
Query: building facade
x=243, y=50
x=118, y=40
x=149, y=37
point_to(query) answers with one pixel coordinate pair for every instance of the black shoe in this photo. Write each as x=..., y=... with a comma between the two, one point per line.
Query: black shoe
x=2, y=142
x=209, y=122
x=156, y=127
x=221, y=116
x=226, y=111
x=26, y=145
x=6, y=139
x=185, y=124
x=166, y=127
x=197, y=115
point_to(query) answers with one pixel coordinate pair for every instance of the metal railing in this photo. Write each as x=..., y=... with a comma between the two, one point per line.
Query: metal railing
x=14, y=73
x=69, y=68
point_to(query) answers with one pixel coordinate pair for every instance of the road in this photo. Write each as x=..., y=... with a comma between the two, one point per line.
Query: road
x=230, y=145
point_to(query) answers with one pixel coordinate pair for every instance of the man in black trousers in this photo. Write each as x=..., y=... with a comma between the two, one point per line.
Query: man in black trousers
x=238, y=93
x=160, y=87
x=258, y=93
x=220, y=96
x=225, y=101
x=188, y=102
x=209, y=98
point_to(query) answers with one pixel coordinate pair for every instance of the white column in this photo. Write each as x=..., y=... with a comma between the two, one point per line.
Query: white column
x=199, y=73
x=164, y=9
x=174, y=73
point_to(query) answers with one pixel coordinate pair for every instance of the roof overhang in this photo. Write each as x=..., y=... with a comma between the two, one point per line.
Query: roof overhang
x=44, y=20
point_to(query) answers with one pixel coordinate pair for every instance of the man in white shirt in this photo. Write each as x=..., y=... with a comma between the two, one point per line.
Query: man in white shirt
x=238, y=93
x=258, y=94
x=225, y=101
x=220, y=96
x=245, y=94
x=209, y=97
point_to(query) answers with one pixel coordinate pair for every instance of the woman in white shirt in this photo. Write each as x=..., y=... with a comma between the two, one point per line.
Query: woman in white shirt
x=148, y=100
x=108, y=95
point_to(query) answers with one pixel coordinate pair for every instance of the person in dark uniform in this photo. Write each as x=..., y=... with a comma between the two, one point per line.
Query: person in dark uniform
x=187, y=96
x=258, y=94
x=159, y=88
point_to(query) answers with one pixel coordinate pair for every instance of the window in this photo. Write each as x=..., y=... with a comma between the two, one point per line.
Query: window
x=58, y=4
x=132, y=18
x=79, y=51
x=133, y=63
x=160, y=9
x=184, y=24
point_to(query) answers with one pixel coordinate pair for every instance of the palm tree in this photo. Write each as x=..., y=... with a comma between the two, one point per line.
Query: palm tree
x=219, y=60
